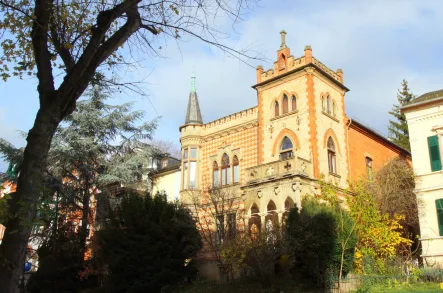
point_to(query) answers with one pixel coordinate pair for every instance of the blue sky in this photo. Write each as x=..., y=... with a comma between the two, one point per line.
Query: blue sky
x=376, y=43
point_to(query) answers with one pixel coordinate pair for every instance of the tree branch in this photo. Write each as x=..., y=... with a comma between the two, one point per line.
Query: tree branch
x=42, y=56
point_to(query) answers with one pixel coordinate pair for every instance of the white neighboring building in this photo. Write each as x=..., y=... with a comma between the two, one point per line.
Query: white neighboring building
x=425, y=122
x=166, y=179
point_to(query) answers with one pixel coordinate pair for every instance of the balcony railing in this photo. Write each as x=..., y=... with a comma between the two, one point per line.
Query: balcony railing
x=295, y=166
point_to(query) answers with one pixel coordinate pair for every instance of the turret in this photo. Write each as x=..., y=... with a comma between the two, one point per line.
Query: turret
x=190, y=145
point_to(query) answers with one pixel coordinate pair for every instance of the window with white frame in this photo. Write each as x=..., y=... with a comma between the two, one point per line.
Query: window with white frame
x=190, y=156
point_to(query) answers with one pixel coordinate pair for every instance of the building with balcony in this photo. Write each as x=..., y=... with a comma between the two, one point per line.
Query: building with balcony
x=276, y=151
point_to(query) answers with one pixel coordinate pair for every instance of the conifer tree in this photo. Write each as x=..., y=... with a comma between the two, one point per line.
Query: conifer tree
x=398, y=127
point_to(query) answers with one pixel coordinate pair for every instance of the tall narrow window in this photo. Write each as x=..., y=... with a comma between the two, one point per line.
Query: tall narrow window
x=286, y=149
x=236, y=167
x=232, y=226
x=285, y=104
x=439, y=207
x=333, y=109
x=185, y=175
x=331, y=156
x=294, y=103
x=328, y=104
x=220, y=221
x=369, y=167
x=215, y=175
x=225, y=170
x=192, y=174
x=276, y=109
x=323, y=104
x=434, y=153
x=190, y=167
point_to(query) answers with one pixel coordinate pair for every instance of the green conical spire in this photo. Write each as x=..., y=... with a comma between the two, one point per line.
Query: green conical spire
x=193, y=90
x=193, y=115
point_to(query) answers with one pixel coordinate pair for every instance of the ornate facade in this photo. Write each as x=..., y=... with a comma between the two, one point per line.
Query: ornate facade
x=276, y=151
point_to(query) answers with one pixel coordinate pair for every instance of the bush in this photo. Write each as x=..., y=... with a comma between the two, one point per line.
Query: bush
x=314, y=239
x=147, y=245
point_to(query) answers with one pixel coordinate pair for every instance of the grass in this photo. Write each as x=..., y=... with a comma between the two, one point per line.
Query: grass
x=403, y=288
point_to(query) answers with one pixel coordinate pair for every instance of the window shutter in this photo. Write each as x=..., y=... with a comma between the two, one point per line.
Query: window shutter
x=439, y=207
x=434, y=153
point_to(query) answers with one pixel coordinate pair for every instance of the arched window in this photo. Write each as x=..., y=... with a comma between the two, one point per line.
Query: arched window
x=225, y=170
x=286, y=149
x=285, y=104
x=254, y=222
x=328, y=104
x=323, y=106
x=331, y=156
x=276, y=109
x=294, y=103
x=236, y=167
x=289, y=204
x=334, y=109
x=215, y=173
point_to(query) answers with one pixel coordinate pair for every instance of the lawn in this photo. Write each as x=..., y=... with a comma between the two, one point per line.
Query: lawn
x=403, y=288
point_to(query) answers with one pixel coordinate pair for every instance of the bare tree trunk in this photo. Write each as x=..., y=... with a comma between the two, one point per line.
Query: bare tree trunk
x=85, y=220
x=29, y=185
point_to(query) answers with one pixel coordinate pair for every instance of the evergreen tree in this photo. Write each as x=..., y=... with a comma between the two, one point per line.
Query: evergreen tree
x=398, y=127
x=97, y=145
x=147, y=245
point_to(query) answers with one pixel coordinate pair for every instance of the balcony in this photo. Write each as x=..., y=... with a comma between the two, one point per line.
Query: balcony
x=295, y=166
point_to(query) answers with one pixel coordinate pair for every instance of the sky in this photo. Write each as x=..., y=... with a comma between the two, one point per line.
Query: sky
x=376, y=43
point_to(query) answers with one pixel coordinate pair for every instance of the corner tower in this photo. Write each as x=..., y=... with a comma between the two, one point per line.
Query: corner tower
x=190, y=136
x=301, y=102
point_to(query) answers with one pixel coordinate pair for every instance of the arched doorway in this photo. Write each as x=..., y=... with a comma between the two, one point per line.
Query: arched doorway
x=254, y=223
x=289, y=204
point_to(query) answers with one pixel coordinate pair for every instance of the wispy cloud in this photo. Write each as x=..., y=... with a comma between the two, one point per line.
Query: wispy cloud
x=376, y=43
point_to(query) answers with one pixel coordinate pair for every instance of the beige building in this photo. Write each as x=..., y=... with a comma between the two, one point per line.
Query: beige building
x=425, y=122
x=274, y=153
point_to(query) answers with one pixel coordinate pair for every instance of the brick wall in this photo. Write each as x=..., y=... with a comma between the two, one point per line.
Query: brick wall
x=365, y=143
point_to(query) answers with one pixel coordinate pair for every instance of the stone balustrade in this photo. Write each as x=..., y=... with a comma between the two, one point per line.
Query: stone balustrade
x=279, y=169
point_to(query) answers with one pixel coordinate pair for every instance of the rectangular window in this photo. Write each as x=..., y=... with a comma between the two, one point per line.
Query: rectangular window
x=185, y=176
x=192, y=175
x=220, y=220
x=434, y=153
x=216, y=178
x=232, y=227
x=185, y=154
x=228, y=175
x=193, y=153
x=236, y=173
x=439, y=207
x=331, y=162
x=369, y=167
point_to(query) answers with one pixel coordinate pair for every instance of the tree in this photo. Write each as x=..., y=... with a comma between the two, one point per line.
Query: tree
x=379, y=235
x=219, y=218
x=166, y=146
x=393, y=189
x=257, y=255
x=147, y=245
x=98, y=144
x=76, y=41
x=398, y=128
x=322, y=238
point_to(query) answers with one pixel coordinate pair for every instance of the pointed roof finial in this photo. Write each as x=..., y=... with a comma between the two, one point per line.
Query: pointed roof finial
x=283, y=40
x=193, y=114
x=193, y=90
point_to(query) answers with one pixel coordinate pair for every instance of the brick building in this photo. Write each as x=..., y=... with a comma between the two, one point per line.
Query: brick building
x=276, y=151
